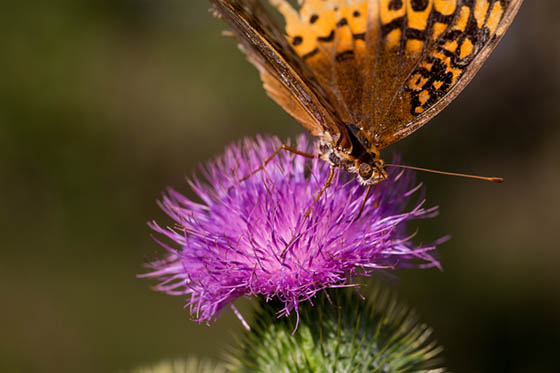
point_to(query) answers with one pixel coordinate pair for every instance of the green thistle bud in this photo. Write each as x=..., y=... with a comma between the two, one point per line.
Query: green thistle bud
x=341, y=333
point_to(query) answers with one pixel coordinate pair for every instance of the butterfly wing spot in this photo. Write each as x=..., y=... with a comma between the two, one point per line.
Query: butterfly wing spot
x=395, y=4
x=342, y=22
x=414, y=46
x=445, y=7
x=467, y=47
x=310, y=55
x=358, y=22
x=393, y=38
x=345, y=39
x=420, y=5
x=326, y=39
x=438, y=29
x=495, y=17
x=297, y=40
x=424, y=96
x=390, y=10
x=417, y=82
x=425, y=66
x=418, y=14
x=480, y=11
x=461, y=24
x=450, y=46
x=437, y=85
x=344, y=56
x=360, y=36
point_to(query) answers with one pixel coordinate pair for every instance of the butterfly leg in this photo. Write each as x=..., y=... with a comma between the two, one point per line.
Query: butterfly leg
x=364, y=202
x=267, y=161
x=328, y=183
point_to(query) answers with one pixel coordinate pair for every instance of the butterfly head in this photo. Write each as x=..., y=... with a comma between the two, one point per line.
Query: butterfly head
x=365, y=163
x=371, y=173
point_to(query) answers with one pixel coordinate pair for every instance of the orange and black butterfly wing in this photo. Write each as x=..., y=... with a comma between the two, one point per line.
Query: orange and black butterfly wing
x=389, y=66
x=285, y=77
x=426, y=52
x=330, y=38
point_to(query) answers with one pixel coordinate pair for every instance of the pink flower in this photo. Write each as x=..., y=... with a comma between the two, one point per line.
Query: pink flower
x=253, y=237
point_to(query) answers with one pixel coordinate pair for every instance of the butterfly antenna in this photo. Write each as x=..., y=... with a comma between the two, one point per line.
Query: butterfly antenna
x=484, y=178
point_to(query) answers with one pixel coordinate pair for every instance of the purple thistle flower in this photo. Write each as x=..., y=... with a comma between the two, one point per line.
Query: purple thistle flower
x=253, y=238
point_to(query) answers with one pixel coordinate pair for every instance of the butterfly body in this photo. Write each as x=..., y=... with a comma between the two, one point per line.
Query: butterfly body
x=366, y=163
x=362, y=74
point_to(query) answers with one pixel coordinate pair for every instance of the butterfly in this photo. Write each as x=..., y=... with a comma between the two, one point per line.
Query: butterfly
x=362, y=74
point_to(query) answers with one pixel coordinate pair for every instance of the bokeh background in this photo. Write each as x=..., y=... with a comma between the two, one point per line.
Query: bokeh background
x=103, y=104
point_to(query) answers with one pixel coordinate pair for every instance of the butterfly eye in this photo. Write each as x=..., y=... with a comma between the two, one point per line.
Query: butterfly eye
x=365, y=171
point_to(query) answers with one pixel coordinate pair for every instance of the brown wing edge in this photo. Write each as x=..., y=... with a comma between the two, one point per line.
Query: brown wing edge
x=458, y=88
x=279, y=77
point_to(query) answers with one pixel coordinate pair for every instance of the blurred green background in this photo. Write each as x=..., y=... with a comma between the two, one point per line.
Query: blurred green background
x=103, y=104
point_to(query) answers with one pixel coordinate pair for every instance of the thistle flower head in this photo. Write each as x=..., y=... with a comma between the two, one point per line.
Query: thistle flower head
x=256, y=237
